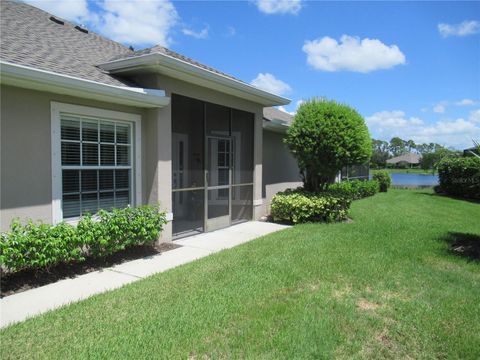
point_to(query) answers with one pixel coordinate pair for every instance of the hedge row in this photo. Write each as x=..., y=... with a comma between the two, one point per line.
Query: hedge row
x=354, y=189
x=384, y=180
x=460, y=177
x=300, y=207
x=40, y=246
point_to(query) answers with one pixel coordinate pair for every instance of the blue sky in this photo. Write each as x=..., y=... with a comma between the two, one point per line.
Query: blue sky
x=412, y=69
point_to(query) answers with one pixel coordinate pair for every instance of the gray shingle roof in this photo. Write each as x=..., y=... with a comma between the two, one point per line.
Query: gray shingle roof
x=272, y=114
x=30, y=38
x=410, y=158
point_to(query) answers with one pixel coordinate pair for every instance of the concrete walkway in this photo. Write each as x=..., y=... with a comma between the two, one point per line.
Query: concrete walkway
x=18, y=307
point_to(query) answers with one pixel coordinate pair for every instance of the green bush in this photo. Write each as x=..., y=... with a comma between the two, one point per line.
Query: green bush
x=384, y=180
x=40, y=246
x=354, y=189
x=324, y=137
x=460, y=176
x=298, y=206
x=113, y=231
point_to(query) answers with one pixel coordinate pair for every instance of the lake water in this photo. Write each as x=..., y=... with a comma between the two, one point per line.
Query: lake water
x=414, y=179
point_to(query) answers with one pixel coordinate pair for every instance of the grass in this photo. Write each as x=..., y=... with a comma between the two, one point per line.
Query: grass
x=386, y=285
x=405, y=171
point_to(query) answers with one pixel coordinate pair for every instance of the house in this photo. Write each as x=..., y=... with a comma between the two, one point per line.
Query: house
x=409, y=159
x=88, y=124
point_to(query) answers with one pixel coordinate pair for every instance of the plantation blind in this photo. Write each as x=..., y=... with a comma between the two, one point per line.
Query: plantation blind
x=96, y=165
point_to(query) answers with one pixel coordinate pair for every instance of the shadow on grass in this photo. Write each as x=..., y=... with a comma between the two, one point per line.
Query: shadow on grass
x=464, y=245
x=426, y=193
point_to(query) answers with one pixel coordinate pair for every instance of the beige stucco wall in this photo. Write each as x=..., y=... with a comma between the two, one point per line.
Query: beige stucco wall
x=26, y=156
x=280, y=169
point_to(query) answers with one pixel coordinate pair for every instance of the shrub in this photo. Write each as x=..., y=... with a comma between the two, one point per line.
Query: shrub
x=460, y=176
x=37, y=246
x=384, y=180
x=116, y=230
x=40, y=246
x=299, y=207
x=325, y=137
x=354, y=189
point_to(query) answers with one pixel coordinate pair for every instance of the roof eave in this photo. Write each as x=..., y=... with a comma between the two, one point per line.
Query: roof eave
x=189, y=72
x=274, y=126
x=36, y=79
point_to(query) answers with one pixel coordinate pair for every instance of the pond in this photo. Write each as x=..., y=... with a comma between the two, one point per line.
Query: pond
x=403, y=179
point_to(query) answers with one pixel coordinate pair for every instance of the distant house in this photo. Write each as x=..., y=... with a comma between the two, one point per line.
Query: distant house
x=404, y=160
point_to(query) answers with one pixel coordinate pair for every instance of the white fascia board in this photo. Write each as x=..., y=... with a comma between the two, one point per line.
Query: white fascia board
x=36, y=79
x=275, y=126
x=187, y=71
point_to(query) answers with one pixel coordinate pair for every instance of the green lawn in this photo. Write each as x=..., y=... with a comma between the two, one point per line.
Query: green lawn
x=404, y=171
x=382, y=286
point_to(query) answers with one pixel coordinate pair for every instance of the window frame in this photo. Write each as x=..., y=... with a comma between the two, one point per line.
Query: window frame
x=57, y=109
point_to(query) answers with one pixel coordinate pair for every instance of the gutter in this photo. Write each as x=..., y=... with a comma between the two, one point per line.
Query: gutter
x=277, y=126
x=189, y=72
x=36, y=79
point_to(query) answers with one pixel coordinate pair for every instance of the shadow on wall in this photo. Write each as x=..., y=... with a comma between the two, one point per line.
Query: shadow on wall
x=464, y=244
x=279, y=166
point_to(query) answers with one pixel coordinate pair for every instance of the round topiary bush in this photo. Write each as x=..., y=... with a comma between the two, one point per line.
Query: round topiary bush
x=324, y=137
x=384, y=179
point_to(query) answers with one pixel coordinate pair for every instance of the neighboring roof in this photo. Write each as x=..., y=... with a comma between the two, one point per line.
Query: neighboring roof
x=276, y=115
x=410, y=158
x=30, y=38
x=276, y=120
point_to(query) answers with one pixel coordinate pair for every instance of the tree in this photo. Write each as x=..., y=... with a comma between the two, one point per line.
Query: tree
x=411, y=145
x=430, y=159
x=397, y=146
x=324, y=137
x=380, y=153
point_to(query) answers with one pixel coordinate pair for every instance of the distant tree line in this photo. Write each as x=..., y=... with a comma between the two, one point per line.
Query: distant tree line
x=431, y=153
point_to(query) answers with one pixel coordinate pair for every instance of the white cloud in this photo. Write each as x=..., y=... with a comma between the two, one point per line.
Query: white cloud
x=72, y=10
x=455, y=133
x=467, y=27
x=474, y=116
x=439, y=108
x=282, y=108
x=202, y=34
x=466, y=102
x=279, y=6
x=144, y=22
x=231, y=31
x=297, y=104
x=352, y=54
x=270, y=83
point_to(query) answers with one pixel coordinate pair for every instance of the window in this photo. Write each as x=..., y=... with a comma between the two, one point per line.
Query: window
x=93, y=157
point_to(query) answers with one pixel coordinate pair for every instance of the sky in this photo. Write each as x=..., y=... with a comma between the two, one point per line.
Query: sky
x=411, y=69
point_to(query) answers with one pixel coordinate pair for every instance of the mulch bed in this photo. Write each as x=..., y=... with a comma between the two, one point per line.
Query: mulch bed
x=29, y=279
